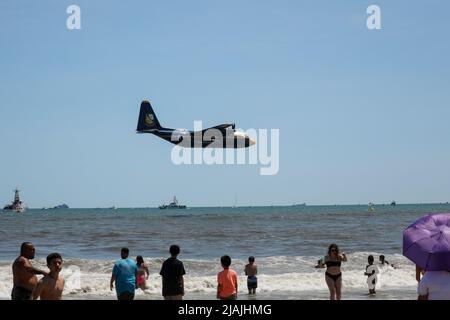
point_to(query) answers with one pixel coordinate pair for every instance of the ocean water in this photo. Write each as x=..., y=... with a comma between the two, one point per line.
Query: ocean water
x=286, y=241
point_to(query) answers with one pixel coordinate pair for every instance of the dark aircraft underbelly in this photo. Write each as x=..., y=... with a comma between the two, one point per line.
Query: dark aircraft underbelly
x=228, y=142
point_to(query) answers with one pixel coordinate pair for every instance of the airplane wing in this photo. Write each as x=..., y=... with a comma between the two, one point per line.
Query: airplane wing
x=222, y=126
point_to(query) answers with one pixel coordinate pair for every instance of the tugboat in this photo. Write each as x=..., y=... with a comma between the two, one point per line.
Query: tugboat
x=173, y=205
x=17, y=205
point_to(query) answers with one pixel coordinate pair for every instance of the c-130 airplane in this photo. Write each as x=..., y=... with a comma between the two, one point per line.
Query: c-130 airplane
x=148, y=123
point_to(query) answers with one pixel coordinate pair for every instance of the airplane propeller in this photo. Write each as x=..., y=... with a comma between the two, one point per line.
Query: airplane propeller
x=233, y=126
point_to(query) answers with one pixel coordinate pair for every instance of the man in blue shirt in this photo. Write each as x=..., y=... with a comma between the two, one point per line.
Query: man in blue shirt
x=124, y=274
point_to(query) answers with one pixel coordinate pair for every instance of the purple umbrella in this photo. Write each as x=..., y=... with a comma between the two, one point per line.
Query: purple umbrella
x=427, y=242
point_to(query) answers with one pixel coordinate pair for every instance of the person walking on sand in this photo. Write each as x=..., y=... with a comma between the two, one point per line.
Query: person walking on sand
x=250, y=271
x=124, y=275
x=51, y=286
x=142, y=273
x=172, y=272
x=333, y=275
x=24, y=274
x=227, y=284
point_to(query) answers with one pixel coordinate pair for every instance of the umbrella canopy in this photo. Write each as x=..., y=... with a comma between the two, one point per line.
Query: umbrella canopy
x=427, y=242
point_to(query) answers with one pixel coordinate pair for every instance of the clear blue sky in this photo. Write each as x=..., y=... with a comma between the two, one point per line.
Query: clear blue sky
x=363, y=115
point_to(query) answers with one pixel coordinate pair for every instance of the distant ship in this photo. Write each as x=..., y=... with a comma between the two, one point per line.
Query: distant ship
x=17, y=206
x=62, y=206
x=299, y=204
x=173, y=205
x=393, y=203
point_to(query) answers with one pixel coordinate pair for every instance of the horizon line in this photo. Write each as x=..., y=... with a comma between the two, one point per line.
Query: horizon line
x=253, y=206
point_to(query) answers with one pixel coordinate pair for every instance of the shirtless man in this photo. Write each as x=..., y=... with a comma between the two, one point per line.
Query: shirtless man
x=51, y=286
x=24, y=274
x=250, y=271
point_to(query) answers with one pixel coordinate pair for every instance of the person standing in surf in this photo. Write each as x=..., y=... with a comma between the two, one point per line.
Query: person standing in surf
x=172, y=272
x=227, y=281
x=124, y=275
x=384, y=262
x=371, y=273
x=333, y=275
x=24, y=274
x=51, y=286
x=142, y=273
x=250, y=271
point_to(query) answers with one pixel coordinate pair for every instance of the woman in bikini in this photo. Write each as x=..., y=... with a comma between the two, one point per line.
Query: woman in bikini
x=333, y=275
x=142, y=273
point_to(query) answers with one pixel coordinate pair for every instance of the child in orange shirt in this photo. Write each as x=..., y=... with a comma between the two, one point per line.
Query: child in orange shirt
x=227, y=287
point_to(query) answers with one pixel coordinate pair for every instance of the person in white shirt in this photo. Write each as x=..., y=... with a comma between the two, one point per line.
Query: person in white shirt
x=434, y=285
x=371, y=273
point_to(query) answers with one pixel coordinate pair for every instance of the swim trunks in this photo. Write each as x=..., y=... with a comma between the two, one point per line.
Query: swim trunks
x=252, y=282
x=20, y=293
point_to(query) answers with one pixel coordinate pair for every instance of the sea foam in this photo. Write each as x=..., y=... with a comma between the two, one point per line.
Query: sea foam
x=276, y=275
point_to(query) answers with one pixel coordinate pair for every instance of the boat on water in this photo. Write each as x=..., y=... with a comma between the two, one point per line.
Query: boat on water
x=299, y=204
x=61, y=206
x=17, y=206
x=173, y=205
x=393, y=203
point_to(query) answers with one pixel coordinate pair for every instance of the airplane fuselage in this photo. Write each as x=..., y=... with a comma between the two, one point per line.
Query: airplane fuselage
x=212, y=138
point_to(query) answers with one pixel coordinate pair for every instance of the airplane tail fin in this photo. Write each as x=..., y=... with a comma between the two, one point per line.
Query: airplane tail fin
x=147, y=118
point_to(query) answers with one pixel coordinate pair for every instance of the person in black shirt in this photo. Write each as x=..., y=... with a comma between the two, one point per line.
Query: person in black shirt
x=172, y=272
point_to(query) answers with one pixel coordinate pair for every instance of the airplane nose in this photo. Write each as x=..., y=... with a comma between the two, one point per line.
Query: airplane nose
x=251, y=142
